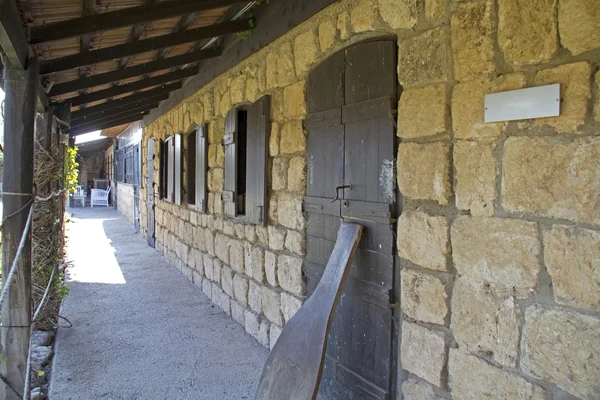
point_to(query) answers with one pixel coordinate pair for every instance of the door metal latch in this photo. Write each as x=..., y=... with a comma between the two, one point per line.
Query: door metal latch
x=337, y=191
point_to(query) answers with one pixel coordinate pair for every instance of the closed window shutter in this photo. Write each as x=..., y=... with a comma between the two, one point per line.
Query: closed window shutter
x=170, y=168
x=178, y=172
x=162, y=170
x=256, y=172
x=201, y=166
x=229, y=141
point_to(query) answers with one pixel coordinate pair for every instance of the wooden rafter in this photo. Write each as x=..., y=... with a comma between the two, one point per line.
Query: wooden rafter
x=100, y=118
x=130, y=72
x=121, y=18
x=109, y=108
x=104, y=125
x=142, y=46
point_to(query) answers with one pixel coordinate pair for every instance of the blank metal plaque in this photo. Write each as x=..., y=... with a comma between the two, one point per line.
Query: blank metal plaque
x=535, y=102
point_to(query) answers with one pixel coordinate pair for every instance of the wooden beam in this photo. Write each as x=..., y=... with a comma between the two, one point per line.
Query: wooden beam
x=121, y=18
x=142, y=46
x=104, y=125
x=137, y=70
x=20, y=88
x=12, y=37
x=95, y=119
x=133, y=86
x=86, y=113
x=136, y=32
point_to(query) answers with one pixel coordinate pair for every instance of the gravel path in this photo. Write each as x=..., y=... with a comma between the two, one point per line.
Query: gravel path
x=141, y=330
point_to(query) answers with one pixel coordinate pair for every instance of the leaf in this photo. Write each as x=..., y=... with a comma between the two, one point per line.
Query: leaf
x=41, y=373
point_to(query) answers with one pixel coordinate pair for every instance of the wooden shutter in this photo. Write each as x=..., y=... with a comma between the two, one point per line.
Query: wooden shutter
x=229, y=141
x=178, y=171
x=170, y=167
x=201, y=167
x=162, y=170
x=256, y=161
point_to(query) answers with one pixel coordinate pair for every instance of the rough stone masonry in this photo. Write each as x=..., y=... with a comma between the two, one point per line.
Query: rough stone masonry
x=500, y=231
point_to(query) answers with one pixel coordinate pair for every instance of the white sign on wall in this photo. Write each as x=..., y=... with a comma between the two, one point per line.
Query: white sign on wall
x=535, y=102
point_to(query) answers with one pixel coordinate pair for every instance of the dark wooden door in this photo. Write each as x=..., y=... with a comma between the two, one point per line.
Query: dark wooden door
x=150, y=187
x=351, y=141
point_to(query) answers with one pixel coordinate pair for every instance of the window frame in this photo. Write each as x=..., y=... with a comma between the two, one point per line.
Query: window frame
x=171, y=168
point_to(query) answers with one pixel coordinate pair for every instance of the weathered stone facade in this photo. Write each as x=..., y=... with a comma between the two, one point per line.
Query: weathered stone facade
x=125, y=200
x=500, y=231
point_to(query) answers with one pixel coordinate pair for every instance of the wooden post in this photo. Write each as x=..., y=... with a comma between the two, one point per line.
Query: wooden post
x=20, y=88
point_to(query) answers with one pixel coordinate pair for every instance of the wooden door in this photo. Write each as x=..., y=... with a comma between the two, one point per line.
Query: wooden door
x=150, y=187
x=351, y=142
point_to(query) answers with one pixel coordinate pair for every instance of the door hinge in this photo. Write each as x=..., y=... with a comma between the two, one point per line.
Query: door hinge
x=392, y=299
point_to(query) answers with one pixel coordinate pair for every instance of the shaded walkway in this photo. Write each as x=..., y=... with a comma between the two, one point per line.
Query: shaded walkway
x=141, y=330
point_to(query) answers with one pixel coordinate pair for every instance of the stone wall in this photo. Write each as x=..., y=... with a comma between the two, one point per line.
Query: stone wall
x=500, y=233
x=125, y=200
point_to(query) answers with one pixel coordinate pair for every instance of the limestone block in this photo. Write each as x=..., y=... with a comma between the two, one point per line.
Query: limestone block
x=527, y=32
x=423, y=352
x=274, y=334
x=289, y=274
x=227, y=280
x=250, y=233
x=343, y=25
x=476, y=170
x=292, y=138
x=296, y=174
x=262, y=235
x=279, y=175
x=274, y=140
x=218, y=204
x=197, y=279
x=423, y=297
x=238, y=86
x=575, y=94
x=237, y=313
x=251, y=90
x=484, y=323
x=472, y=40
x=577, y=23
x=252, y=323
x=435, y=9
x=363, y=16
x=289, y=211
x=424, y=171
x=553, y=179
x=240, y=289
x=271, y=70
x=413, y=389
x=254, y=296
x=217, y=266
x=263, y=333
x=296, y=242
x=293, y=98
x=399, y=14
x=228, y=227
x=498, y=252
x=286, y=73
x=240, y=231
x=271, y=305
x=222, y=247
x=422, y=111
x=561, y=346
x=255, y=266
x=271, y=268
x=423, y=240
x=221, y=299
x=209, y=242
x=208, y=267
x=236, y=255
x=305, y=52
x=289, y=305
x=224, y=102
x=572, y=257
x=199, y=238
x=207, y=288
x=198, y=264
x=327, y=35
x=220, y=156
x=424, y=58
x=468, y=106
x=472, y=378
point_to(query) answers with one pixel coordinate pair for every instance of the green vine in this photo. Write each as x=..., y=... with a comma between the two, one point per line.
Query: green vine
x=71, y=169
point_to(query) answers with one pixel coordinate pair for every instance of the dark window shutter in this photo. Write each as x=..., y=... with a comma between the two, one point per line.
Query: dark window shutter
x=178, y=171
x=162, y=170
x=201, y=166
x=229, y=141
x=170, y=168
x=256, y=172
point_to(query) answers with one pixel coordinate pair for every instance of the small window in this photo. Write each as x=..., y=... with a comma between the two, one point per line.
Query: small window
x=170, y=164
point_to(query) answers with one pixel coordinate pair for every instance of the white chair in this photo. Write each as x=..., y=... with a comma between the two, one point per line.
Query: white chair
x=79, y=195
x=100, y=197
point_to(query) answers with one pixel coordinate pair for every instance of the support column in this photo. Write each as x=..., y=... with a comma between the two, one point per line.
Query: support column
x=20, y=88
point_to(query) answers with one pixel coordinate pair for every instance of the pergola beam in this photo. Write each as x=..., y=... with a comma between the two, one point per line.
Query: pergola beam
x=133, y=86
x=12, y=37
x=105, y=125
x=121, y=18
x=137, y=70
x=142, y=46
x=108, y=108
x=99, y=118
